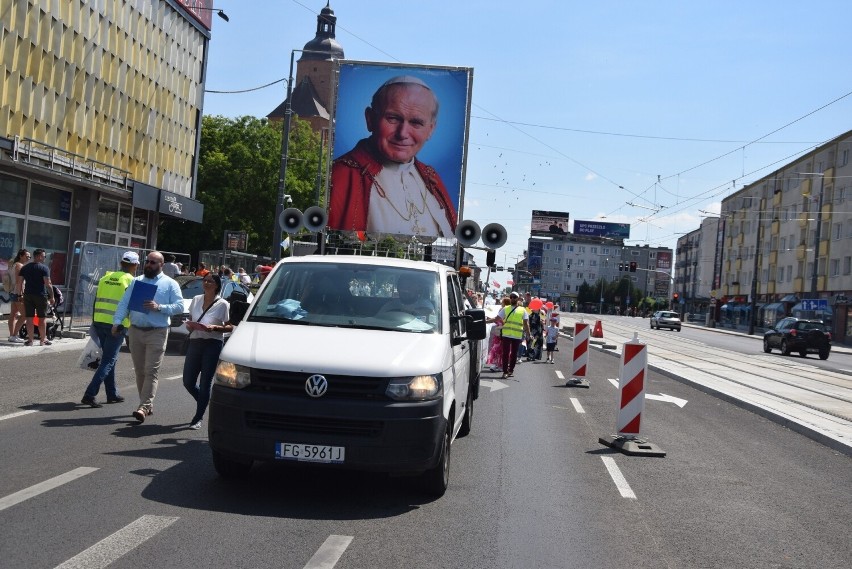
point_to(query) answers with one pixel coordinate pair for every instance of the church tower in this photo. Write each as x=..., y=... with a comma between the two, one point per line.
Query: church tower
x=314, y=83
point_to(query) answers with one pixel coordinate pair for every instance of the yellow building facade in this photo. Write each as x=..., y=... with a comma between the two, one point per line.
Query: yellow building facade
x=100, y=116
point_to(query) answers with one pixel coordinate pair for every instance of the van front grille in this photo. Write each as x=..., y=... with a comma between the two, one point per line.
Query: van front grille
x=339, y=386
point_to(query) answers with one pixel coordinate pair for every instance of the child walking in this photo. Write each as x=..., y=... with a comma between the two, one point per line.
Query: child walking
x=552, y=335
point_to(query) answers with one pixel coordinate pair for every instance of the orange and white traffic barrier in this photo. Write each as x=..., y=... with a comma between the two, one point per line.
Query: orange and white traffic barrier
x=631, y=388
x=631, y=397
x=580, y=358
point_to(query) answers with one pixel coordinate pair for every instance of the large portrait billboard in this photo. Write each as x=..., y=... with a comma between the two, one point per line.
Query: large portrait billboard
x=549, y=223
x=400, y=145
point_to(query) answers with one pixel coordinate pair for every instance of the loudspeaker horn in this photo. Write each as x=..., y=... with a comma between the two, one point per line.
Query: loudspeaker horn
x=494, y=236
x=315, y=219
x=467, y=232
x=290, y=220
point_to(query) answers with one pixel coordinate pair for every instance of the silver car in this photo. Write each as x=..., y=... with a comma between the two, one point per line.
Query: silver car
x=665, y=319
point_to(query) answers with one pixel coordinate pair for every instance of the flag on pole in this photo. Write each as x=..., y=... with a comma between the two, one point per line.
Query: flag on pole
x=510, y=283
x=286, y=243
x=496, y=284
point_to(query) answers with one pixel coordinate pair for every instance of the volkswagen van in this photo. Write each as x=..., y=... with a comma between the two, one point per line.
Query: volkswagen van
x=364, y=363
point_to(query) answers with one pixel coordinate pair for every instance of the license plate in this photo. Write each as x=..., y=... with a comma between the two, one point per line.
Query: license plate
x=309, y=453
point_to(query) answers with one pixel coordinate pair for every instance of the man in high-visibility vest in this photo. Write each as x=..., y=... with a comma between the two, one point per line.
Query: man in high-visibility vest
x=111, y=288
x=515, y=325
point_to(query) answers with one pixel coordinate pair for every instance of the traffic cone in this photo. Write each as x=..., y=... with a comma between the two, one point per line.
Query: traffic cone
x=598, y=331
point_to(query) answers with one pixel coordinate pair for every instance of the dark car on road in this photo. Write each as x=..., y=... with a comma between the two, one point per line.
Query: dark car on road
x=797, y=335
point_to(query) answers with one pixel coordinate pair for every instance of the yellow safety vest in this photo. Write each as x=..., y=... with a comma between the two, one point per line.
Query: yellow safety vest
x=513, y=324
x=110, y=290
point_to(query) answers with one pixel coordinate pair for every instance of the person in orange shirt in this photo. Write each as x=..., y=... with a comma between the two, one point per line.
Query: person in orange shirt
x=202, y=270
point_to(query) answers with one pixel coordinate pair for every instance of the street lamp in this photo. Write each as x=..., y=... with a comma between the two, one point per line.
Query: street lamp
x=818, y=230
x=220, y=13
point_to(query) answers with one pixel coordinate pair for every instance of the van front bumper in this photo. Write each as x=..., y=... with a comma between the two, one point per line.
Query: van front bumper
x=387, y=436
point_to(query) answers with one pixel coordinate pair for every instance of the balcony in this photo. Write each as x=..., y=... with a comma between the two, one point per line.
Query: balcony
x=770, y=287
x=799, y=284
x=823, y=248
x=776, y=199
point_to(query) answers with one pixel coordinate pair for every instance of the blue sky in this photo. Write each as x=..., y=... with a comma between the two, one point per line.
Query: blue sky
x=585, y=107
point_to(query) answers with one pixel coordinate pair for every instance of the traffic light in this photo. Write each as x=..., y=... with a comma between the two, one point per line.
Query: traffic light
x=620, y=267
x=632, y=266
x=675, y=298
x=490, y=258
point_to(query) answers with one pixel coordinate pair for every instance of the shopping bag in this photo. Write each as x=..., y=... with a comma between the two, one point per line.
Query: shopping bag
x=90, y=358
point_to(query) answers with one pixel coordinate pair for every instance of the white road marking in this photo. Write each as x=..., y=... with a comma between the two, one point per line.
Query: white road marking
x=614, y=382
x=41, y=487
x=18, y=414
x=173, y=377
x=577, y=407
x=493, y=385
x=618, y=478
x=559, y=374
x=329, y=552
x=113, y=547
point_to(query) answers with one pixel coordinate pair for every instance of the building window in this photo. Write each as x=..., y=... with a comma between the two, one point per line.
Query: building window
x=121, y=224
x=835, y=267
x=847, y=265
x=547, y=246
x=837, y=231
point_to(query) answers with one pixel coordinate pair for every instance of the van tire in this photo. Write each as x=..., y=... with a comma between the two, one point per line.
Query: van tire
x=230, y=469
x=436, y=480
x=467, y=420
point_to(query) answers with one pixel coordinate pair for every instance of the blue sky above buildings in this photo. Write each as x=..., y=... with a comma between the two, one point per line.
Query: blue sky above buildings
x=622, y=111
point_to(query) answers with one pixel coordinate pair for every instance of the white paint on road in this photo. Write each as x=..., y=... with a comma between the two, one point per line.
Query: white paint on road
x=173, y=377
x=113, y=547
x=618, y=478
x=18, y=414
x=329, y=552
x=667, y=399
x=41, y=487
x=614, y=382
x=577, y=407
x=493, y=385
x=559, y=374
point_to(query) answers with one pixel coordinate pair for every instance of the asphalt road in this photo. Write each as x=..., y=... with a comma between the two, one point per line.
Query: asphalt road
x=530, y=487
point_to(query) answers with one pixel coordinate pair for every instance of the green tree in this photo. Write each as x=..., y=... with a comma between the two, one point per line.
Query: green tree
x=238, y=169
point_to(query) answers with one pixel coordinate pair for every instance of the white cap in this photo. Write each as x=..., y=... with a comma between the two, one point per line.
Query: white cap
x=130, y=257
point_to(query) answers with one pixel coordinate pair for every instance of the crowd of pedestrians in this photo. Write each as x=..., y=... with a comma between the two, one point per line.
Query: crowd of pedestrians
x=519, y=333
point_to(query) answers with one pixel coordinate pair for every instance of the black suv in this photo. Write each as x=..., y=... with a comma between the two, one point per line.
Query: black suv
x=796, y=335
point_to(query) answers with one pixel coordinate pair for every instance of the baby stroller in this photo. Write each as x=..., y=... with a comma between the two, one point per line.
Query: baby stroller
x=55, y=322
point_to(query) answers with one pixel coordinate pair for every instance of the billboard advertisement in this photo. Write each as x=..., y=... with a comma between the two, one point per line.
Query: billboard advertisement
x=535, y=251
x=602, y=229
x=662, y=275
x=400, y=145
x=549, y=223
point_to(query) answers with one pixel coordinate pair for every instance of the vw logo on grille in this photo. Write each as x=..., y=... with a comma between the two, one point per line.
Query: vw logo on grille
x=316, y=386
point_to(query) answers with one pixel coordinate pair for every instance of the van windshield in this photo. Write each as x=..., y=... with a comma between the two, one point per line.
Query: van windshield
x=346, y=295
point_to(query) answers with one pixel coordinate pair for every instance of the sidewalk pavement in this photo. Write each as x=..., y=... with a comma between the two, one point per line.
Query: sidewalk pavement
x=787, y=390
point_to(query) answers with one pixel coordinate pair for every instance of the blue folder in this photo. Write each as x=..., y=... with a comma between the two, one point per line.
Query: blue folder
x=141, y=293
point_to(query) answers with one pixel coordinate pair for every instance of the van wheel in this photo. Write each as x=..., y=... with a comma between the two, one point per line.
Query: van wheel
x=436, y=480
x=785, y=349
x=823, y=354
x=230, y=469
x=467, y=420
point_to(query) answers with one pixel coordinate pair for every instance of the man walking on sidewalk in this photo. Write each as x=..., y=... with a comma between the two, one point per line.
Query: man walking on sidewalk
x=34, y=283
x=149, y=329
x=111, y=289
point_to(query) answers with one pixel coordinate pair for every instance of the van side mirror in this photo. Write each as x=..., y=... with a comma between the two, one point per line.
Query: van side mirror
x=476, y=329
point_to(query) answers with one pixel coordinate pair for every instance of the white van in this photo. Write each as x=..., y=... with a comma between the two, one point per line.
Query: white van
x=354, y=362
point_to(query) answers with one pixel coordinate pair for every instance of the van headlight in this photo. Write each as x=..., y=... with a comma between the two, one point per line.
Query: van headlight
x=231, y=375
x=417, y=388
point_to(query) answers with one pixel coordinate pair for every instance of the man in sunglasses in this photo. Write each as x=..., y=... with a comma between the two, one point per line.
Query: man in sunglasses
x=149, y=329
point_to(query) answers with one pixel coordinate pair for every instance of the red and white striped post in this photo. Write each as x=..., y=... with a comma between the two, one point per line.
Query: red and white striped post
x=631, y=388
x=631, y=397
x=580, y=358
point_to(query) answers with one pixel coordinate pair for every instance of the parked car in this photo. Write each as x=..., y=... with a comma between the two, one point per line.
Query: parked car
x=190, y=287
x=797, y=335
x=665, y=319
